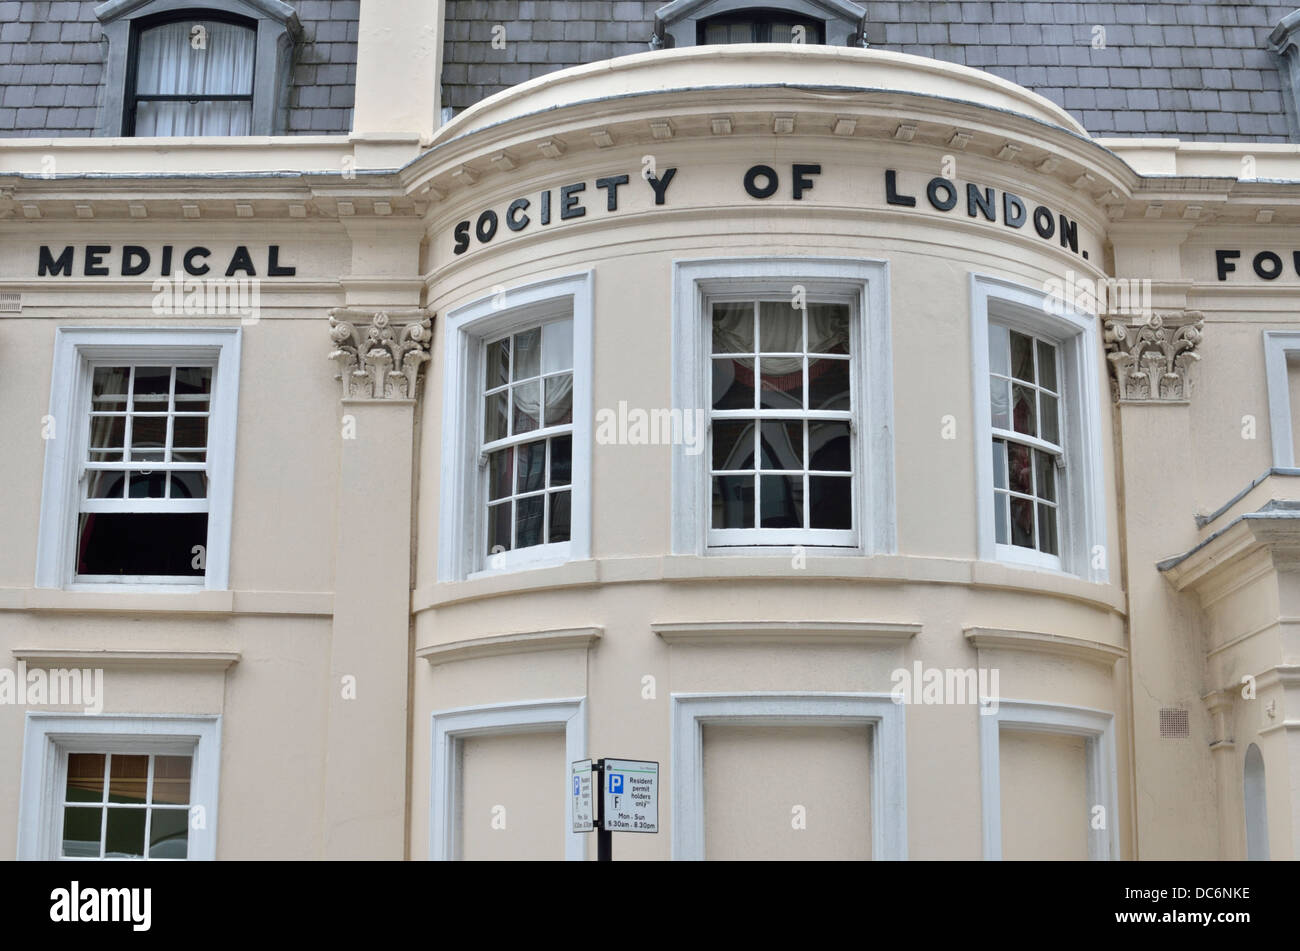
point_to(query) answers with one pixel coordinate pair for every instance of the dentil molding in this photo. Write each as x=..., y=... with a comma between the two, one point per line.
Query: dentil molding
x=380, y=353
x=1152, y=360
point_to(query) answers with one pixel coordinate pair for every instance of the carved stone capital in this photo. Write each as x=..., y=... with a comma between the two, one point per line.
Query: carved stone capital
x=379, y=353
x=1152, y=360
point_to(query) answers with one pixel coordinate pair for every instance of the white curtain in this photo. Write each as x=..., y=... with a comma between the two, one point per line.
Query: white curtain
x=177, y=59
x=781, y=331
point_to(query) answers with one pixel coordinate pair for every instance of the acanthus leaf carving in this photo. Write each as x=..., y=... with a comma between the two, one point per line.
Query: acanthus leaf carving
x=379, y=353
x=1153, y=360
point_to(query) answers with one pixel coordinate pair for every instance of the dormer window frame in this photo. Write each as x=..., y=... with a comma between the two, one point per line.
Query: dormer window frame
x=678, y=24
x=277, y=30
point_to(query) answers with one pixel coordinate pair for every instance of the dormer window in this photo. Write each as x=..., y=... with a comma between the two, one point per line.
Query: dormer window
x=193, y=77
x=759, y=26
x=721, y=22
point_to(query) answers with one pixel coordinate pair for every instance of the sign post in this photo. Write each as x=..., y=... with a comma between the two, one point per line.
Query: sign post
x=628, y=799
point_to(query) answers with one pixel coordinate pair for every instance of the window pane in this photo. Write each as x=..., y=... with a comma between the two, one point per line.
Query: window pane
x=733, y=444
x=190, y=432
x=494, y=416
x=1022, y=357
x=1046, y=469
x=828, y=328
x=129, y=778
x=527, y=400
x=1000, y=517
x=1047, y=366
x=148, y=438
x=154, y=543
x=733, y=383
x=831, y=505
x=999, y=464
x=1022, y=523
x=169, y=834
x=1019, y=468
x=1000, y=402
x=105, y=484
x=559, y=400
x=168, y=63
x=999, y=350
x=108, y=389
x=81, y=831
x=782, y=445
x=171, y=780
x=528, y=521
x=733, y=328
x=147, y=485
x=531, y=468
x=780, y=327
x=733, y=501
x=557, y=346
x=152, y=388
x=561, y=460
x=189, y=485
x=85, y=777
x=1023, y=411
x=499, y=523
x=1047, y=529
x=782, y=501
x=107, y=432
x=828, y=384
x=225, y=117
x=528, y=354
x=782, y=383
x=830, y=447
x=193, y=388
x=559, y=527
x=124, y=837
x=499, y=464
x=498, y=364
x=1050, y=418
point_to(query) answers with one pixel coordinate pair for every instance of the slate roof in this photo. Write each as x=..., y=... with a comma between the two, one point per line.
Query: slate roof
x=1194, y=70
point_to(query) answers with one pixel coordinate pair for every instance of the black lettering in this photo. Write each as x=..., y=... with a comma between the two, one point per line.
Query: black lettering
x=1013, y=210
x=801, y=181
x=891, y=191
x=1069, y=234
x=569, y=207
x=190, y=267
x=611, y=186
x=241, y=260
x=1223, y=262
x=485, y=229
x=273, y=268
x=660, y=185
x=50, y=265
x=461, y=234
x=932, y=192
x=981, y=200
x=95, y=266
x=1044, y=223
x=1273, y=270
x=166, y=267
x=135, y=260
x=546, y=207
x=513, y=222
x=751, y=181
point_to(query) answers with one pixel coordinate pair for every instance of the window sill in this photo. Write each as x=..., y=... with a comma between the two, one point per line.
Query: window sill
x=167, y=602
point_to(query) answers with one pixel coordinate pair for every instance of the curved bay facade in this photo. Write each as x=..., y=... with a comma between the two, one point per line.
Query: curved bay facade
x=899, y=460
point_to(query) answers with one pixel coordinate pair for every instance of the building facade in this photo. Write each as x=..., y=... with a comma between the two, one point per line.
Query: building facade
x=880, y=415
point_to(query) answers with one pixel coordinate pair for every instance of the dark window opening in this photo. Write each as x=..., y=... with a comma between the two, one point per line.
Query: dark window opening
x=147, y=544
x=759, y=26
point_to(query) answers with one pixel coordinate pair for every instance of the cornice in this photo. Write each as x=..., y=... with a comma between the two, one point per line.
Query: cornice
x=137, y=659
x=1078, y=647
x=713, y=633
x=499, y=644
x=1273, y=531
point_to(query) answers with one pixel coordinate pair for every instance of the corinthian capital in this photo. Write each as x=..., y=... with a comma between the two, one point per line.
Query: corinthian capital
x=1153, y=360
x=379, y=353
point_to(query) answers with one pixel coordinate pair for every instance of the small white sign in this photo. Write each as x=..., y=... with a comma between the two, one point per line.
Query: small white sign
x=631, y=796
x=581, y=795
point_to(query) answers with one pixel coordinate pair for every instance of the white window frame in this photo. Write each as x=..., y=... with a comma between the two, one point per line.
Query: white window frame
x=75, y=349
x=1281, y=347
x=463, y=502
x=451, y=727
x=863, y=283
x=1097, y=727
x=879, y=712
x=49, y=737
x=1081, y=508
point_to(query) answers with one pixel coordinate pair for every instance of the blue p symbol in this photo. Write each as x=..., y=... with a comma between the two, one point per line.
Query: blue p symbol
x=575, y=785
x=615, y=782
